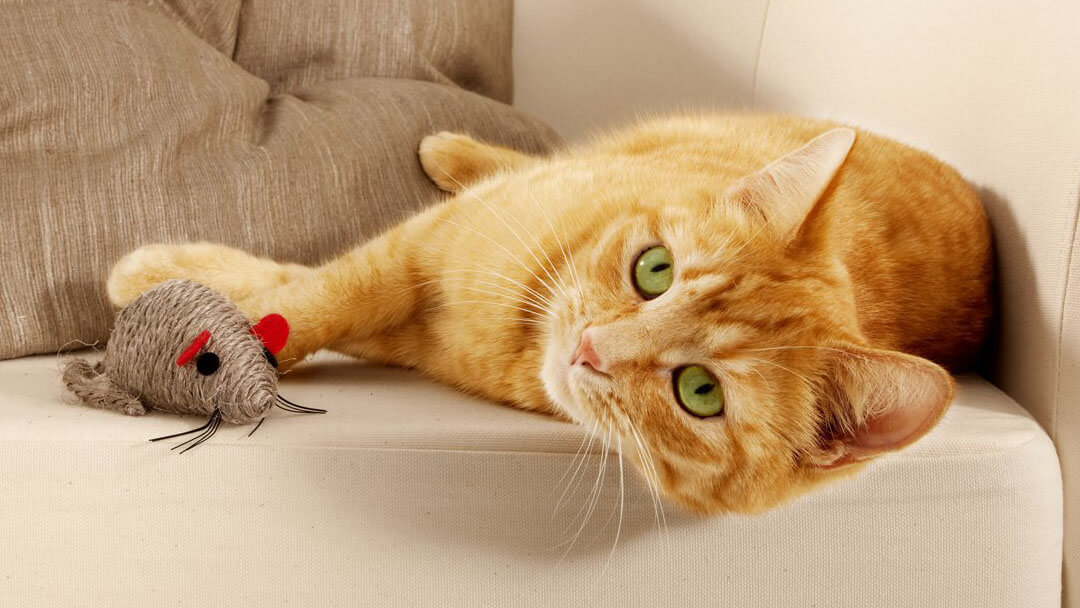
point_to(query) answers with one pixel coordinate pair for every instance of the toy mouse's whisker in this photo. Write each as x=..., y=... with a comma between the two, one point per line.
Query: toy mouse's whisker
x=261, y=421
x=215, y=422
x=290, y=406
x=287, y=408
x=196, y=430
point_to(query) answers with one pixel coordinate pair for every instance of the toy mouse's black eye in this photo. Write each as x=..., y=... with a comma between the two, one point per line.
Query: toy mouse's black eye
x=207, y=363
x=270, y=357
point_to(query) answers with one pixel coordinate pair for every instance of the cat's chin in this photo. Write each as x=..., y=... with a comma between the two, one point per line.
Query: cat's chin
x=558, y=390
x=554, y=375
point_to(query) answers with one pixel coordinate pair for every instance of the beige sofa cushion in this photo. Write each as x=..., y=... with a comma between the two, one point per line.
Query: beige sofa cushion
x=288, y=131
x=408, y=493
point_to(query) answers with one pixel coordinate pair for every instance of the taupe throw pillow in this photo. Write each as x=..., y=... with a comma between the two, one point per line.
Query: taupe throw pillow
x=288, y=129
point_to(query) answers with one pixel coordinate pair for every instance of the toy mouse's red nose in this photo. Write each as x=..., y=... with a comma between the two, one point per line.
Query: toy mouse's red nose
x=273, y=331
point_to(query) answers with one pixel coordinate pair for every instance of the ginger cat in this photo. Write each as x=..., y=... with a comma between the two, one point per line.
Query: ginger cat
x=758, y=303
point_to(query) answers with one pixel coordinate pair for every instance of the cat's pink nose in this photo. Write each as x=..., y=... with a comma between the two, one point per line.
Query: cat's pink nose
x=586, y=354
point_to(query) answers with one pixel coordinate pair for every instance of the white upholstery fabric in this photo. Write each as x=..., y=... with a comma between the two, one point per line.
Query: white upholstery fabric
x=584, y=65
x=408, y=492
x=994, y=89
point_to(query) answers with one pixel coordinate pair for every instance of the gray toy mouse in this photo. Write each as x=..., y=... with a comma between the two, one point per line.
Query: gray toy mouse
x=182, y=347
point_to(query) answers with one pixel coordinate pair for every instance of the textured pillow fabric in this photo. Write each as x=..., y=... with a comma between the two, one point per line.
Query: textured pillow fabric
x=287, y=129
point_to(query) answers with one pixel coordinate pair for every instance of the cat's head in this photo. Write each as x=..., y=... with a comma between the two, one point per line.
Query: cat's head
x=708, y=326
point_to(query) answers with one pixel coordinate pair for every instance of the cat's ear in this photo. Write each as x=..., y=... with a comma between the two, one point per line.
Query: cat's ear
x=786, y=190
x=880, y=401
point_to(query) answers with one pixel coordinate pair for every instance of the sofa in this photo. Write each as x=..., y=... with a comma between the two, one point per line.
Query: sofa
x=409, y=493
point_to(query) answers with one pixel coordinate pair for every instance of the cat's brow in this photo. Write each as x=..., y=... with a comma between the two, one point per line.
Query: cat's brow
x=709, y=289
x=695, y=272
x=761, y=326
x=704, y=279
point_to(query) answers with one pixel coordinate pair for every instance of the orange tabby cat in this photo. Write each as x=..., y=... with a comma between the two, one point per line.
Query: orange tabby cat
x=763, y=303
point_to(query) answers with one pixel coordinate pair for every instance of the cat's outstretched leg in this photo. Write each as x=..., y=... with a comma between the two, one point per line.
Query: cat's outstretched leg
x=455, y=162
x=339, y=305
x=235, y=274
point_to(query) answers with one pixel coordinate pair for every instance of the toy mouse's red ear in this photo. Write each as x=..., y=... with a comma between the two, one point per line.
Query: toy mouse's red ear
x=273, y=331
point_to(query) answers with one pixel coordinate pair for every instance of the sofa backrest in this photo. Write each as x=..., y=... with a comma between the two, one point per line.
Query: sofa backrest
x=445, y=41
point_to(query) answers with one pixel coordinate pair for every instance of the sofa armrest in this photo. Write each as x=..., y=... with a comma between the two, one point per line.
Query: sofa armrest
x=991, y=89
x=988, y=87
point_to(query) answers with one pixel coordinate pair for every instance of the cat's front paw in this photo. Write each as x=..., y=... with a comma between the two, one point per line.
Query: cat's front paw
x=138, y=271
x=236, y=274
x=149, y=265
x=447, y=158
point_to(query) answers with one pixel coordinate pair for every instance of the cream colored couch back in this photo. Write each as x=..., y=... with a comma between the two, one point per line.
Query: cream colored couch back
x=991, y=87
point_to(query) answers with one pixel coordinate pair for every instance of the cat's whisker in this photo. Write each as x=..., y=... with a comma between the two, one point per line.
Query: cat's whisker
x=531, y=297
x=653, y=487
x=497, y=244
x=580, y=462
x=567, y=251
x=540, y=323
x=539, y=245
x=587, y=503
x=594, y=496
x=516, y=296
x=584, y=513
x=585, y=456
x=567, y=254
x=622, y=505
x=760, y=375
x=619, y=423
x=650, y=481
x=771, y=348
x=503, y=248
x=517, y=320
x=540, y=326
x=539, y=313
x=808, y=381
x=577, y=453
x=499, y=217
x=471, y=192
x=532, y=292
x=528, y=311
x=733, y=256
x=558, y=283
x=512, y=296
x=544, y=214
x=652, y=491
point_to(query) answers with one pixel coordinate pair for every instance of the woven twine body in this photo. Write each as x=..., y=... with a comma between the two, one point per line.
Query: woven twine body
x=150, y=333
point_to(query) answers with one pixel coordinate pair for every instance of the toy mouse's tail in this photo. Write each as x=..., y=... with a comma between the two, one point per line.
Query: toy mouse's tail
x=96, y=389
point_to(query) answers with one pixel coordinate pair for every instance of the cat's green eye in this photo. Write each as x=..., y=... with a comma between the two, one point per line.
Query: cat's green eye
x=653, y=272
x=698, y=391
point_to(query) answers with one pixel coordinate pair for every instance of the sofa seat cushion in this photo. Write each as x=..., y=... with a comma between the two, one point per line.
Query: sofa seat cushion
x=407, y=489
